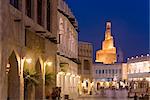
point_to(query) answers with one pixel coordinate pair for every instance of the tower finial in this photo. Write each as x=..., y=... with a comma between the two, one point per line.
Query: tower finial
x=108, y=25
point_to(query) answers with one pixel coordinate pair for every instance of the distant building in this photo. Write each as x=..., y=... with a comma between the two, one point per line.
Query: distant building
x=85, y=50
x=109, y=66
x=139, y=75
x=108, y=53
x=111, y=72
x=139, y=68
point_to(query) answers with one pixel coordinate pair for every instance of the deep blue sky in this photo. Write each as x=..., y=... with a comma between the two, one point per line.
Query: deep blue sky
x=130, y=23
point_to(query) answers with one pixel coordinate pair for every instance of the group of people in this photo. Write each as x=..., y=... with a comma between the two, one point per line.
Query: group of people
x=56, y=93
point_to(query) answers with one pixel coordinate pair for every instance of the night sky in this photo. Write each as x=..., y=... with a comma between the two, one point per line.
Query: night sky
x=130, y=23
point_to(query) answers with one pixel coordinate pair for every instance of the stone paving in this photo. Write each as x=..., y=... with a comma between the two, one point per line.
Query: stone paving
x=108, y=95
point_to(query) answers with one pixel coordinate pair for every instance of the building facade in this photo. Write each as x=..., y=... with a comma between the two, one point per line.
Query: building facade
x=67, y=53
x=112, y=72
x=109, y=75
x=26, y=29
x=85, y=50
x=108, y=53
x=139, y=68
x=139, y=74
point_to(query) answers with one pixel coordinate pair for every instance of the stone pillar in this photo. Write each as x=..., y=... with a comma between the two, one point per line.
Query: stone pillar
x=62, y=84
x=1, y=50
x=67, y=84
x=21, y=79
x=58, y=80
x=89, y=86
x=70, y=85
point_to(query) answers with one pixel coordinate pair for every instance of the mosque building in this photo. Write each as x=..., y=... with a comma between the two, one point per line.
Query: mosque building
x=108, y=53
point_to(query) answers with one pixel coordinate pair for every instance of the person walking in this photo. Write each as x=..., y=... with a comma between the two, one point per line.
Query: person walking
x=59, y=93
x=135, y=97
x=53, y=94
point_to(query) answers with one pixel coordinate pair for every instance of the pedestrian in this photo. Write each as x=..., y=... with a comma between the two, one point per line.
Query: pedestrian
x=53, y=94
x=59, y=93
x=135, y=97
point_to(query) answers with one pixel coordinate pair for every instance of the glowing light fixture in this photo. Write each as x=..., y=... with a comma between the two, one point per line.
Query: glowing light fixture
x=147, y=54
x=7, y=68
x=29, y=60
x=68, y=73
x=49, y=63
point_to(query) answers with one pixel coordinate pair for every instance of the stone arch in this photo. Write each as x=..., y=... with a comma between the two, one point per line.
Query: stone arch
x=13, y=79
x=39, y=87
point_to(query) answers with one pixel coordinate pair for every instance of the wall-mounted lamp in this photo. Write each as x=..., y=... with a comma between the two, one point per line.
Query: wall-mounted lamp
x=7, y=68
x=49, y=63
x=29, y=60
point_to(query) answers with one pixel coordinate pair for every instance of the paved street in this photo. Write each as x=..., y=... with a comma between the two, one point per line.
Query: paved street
x=108, y=95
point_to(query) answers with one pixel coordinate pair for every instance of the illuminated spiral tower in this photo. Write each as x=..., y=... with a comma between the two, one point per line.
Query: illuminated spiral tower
x=108, y=53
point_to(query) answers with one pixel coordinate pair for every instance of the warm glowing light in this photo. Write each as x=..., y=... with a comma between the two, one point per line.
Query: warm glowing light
x=147, y=54
x=29, y=60
x=68, y=73
x=78, y=76
x=8, y=66
x=61, y=73
x=108, y=53
x=49, y=63
x=73, y=75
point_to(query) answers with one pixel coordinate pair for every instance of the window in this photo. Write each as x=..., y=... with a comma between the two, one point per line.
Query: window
x=28, y=8
x=116, y=71
x=48, y=15
x=15, y=3
x=120, y=71
x=99, y=71
x=113, y=71
x=39, y=12
x=103, y=72
x=96, y=71
x=106, y=71
x=86, y=65
x=109, y=71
